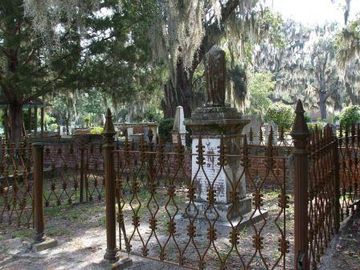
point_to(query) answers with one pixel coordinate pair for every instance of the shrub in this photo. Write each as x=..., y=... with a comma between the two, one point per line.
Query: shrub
x=53, y=127
x=318, y=124
x=350, y=115
x=97, y=130
x=153, y=114
x=282, y=115
x=165, y=127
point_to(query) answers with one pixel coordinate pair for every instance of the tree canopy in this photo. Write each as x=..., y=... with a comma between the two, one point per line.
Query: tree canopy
x=138, y=56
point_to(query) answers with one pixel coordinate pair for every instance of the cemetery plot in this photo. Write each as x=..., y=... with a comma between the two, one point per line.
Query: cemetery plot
x=162, y=214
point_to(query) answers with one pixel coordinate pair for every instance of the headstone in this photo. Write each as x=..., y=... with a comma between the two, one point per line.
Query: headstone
x=179, y=129
x=62, y=130
x=212, y=125
x=130, y=131
x=212, y=170
x=254, y=126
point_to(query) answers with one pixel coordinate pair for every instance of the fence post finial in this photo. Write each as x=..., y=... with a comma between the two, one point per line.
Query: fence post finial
x=109, y=126
x=300, y=130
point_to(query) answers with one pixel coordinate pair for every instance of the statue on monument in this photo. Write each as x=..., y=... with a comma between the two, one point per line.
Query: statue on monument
x=215, y=73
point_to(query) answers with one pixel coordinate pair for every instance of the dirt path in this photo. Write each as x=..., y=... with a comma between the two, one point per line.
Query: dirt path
x=81, y=237
x=80, y=233
x=82, y=252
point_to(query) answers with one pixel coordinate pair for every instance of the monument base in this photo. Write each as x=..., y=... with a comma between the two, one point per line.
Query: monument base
x=221, y=212
x=122, y=264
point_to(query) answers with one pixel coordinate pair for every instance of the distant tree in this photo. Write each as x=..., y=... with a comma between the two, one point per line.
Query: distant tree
x=260, y=88
x=327, y=80
x=348, y=49
x=304, y=66
x=287, y=62
x=350, y=116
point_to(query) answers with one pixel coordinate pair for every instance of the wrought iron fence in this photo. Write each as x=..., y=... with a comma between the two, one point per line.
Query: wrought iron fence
x=323, y=189
x=349, y=162
x=333, y=187
x=75, y=173
x=72, y=173
x=190, y=207
x=193, y=207
x=15, y=185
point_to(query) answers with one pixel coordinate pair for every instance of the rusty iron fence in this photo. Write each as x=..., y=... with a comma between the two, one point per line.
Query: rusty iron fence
x=73, y=173
x=280, y=203
x=16, y=185
x=280, y=137
x=323, y=192
x=333, y=187
x=164, y=213
x=349, y=167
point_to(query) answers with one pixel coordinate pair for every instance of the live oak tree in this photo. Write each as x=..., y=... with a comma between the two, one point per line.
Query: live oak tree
x=326, y=76
x=103, y=47
x=186, y=30
x=348, y=57
x=25, y=70
x=303, y=66
x=286, y=61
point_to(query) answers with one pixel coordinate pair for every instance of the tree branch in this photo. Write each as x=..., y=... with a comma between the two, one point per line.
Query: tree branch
x=213, y=33
x=284, y=101
x=43, y=90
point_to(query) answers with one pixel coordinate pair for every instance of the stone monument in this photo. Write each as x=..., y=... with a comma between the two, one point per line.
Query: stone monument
x=217, y=123
x=179, y=129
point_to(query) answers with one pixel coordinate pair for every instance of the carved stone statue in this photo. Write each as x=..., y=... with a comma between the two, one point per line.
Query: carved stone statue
x=215, y=74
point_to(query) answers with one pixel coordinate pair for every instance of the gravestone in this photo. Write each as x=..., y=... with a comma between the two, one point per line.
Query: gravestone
x=179, y=129
x=63, y=131
x=130, y=131
x=213, y=124
x=255, y=126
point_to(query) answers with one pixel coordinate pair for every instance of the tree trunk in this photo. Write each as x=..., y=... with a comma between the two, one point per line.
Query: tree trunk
x=354, y=97
x=15, y=122
x=181, y=94
x=322, y=105
x=67, y=122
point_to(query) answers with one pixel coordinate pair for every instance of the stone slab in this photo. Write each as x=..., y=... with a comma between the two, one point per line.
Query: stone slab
x=245, y=221
x=46, y=244
x=252, y=218
x=121, y=264
x=201, y=212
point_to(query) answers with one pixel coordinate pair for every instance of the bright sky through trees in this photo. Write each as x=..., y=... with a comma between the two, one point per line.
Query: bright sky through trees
x=314, y=11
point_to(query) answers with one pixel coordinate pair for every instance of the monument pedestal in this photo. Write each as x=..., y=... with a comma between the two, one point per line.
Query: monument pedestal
x=218, y=131
x=217, y=172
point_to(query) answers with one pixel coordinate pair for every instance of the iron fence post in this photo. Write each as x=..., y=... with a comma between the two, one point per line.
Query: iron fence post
x=300, y=134
x=38, y=173
x=337, y=183
x=82, y=173
x=108, y=148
